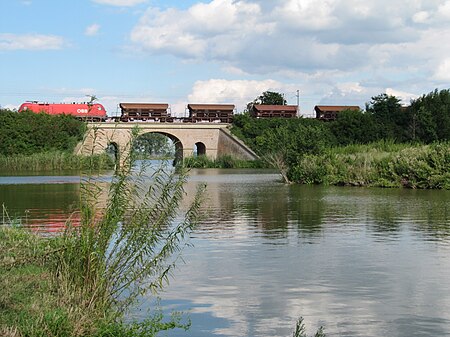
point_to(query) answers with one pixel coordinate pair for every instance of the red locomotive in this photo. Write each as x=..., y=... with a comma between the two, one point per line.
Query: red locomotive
x=85, y=111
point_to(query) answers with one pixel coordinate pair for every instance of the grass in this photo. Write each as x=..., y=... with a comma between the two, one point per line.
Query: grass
x=55, y=161
x=379, y=164
x=83, y=281
x=225, y=161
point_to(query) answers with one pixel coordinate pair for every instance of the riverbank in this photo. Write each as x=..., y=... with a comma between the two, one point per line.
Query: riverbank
x=82, y=280
x=222, y=162
x=55, y=161
x=379, y=164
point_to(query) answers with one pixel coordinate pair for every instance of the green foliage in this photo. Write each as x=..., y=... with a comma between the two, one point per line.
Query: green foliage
x=267, y=98
x=97, y=270
x=283, y=142
x=430, y=117
x=390, y=118
x=379, y=164
x=28, y=133
x=151, y=145
x=221, y=162
x=354, y=127
x=55, y=161
x=300, y=330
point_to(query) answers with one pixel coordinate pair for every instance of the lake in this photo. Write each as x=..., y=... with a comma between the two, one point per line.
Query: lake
x=358, y=261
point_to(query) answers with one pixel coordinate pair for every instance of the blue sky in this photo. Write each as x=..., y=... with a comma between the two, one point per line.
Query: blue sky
x=222, y=51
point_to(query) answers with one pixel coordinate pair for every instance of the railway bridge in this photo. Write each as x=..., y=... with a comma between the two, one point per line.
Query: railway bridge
x=210, y=139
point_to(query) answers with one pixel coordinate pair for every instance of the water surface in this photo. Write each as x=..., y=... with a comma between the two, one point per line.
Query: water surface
x=359, y=261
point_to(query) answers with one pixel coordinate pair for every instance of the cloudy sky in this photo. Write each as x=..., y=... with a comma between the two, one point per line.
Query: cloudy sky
x=222, y=51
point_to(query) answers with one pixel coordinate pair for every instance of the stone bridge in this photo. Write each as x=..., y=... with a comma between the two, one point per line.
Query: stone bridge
x=212, y=139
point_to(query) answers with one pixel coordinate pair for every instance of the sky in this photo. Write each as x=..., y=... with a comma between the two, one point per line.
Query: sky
x=328, y=52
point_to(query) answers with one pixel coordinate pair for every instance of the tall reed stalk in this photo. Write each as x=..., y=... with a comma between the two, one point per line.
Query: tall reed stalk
x=126, y=248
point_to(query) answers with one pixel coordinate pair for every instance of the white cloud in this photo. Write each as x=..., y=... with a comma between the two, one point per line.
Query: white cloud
x=120, y=3
x=92, y=30
x=308, y=14
x=238, y=92
x=217, y=30
x=444, y=10
x=262, y=37
x=421, y=17
x=342, y=51
x=405, y=97
x=30, y=42
x=442, y=72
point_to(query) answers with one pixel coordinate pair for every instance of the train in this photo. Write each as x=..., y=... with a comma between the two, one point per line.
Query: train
x=160, y=112
x=133, y=112
x=94, y=112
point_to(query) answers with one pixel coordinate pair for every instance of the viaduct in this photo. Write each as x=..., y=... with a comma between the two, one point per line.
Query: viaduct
x=210, y=139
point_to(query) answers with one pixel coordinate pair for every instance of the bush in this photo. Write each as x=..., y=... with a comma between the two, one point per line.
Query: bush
x=29, y=133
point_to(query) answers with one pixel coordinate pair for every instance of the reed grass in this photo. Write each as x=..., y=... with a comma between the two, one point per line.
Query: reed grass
x=225, y=161
x=94, y=273
x=54, y=161
x=382, y=165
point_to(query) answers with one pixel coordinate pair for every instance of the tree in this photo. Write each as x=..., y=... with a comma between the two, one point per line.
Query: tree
x=352, y=127
x=431, y=116
x=390, y=118
x=267, y=98
x=153, y=144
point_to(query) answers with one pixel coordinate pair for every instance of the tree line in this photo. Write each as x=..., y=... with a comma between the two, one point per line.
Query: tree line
x=425, y=120
x=285, y=143
x=29, y=133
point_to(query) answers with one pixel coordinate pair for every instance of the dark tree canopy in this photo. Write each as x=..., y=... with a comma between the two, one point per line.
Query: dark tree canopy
x=268, y=98
x=27, y=133
x=430, y=115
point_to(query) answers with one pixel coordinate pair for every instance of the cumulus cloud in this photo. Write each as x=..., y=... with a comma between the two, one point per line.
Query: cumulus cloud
x=92, y=30
x=30, y=42
x=442, y=72
x=405, y=97
x=337, y=51
x=217, y=30
x=120, y=3
x=301, y=35
x=238, y=92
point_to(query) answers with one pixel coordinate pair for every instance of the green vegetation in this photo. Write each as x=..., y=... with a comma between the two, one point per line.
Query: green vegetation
x=300, y=330
x=55, y=161
x=426, y=120
x=267, y=98
x=153, y=145
x=395, y=152
x=283, y=142
x=413, y=166
x=28, y=133
x=221, y=162
x=82, y=282
x=41, y=142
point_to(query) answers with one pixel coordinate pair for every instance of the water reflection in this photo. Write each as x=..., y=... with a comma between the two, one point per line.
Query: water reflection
x=360, y=261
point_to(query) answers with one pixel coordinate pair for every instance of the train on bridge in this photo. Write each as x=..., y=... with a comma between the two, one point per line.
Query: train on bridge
x=160, y=112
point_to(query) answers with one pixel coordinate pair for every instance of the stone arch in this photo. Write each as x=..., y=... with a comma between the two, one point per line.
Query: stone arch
x=200, y=149
x=177, y=143
x=112, y=149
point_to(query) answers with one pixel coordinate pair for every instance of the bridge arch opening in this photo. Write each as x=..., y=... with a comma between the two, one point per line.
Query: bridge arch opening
x=112, y=150
x=158, y=145
x=200, y=149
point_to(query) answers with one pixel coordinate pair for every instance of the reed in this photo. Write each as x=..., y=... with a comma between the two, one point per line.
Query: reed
x=121, y=251
x=382, y=165
x=225, y=161
x=54, y=161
